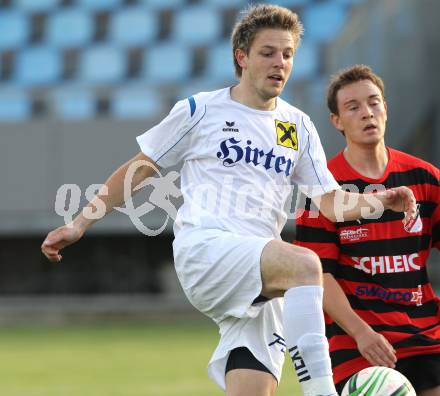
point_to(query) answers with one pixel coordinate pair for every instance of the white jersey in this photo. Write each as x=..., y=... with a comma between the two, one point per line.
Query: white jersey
x=239, y=163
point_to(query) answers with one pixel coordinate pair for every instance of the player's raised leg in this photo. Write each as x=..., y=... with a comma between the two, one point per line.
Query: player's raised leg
x=296, y=273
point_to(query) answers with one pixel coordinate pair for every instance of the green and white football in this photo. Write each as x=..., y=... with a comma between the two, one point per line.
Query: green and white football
x=378, y=381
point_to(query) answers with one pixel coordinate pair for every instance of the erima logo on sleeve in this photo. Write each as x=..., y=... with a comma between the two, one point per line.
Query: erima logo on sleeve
x=286, y=134
x=230, y=127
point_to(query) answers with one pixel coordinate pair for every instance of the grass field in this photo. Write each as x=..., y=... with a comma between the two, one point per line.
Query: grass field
x=167, y=359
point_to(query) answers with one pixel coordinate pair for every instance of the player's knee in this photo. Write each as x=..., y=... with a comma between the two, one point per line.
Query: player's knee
x=296, y=267
x=310, y=268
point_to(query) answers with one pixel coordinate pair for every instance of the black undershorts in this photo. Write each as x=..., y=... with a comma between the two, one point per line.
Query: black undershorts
x=423, y=371
x=242, y=358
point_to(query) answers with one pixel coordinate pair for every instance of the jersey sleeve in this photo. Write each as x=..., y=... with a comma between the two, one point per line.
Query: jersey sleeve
x=311, y=173
x=168, y=142
x=316, y=232
x=435, y=191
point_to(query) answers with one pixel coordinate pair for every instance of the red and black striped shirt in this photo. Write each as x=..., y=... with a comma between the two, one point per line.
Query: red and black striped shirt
x=380, y=266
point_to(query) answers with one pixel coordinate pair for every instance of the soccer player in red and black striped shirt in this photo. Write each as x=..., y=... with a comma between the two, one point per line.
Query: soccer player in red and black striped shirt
x=380, y=306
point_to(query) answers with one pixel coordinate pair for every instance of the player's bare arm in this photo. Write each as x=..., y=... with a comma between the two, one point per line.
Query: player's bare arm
x=111, y=195
x=341, y=205
x=373, y=346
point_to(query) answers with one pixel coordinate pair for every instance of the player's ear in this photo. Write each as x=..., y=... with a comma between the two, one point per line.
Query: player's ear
x=241, y=58
x=336, y=121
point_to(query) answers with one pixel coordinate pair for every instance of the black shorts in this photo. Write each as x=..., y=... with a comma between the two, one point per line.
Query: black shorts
x=423, y=371
x=242, y=358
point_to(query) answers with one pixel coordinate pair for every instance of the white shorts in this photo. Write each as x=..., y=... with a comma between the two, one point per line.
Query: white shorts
x=220, y=274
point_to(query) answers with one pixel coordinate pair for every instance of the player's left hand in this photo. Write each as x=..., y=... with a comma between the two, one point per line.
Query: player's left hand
x=376, y=348
x=401, y=199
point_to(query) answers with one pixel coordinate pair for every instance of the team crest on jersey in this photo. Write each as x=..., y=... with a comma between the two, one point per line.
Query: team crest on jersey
x=286, y=134
x=416, y=225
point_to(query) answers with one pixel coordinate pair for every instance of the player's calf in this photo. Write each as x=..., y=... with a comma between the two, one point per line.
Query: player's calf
x=296, y=273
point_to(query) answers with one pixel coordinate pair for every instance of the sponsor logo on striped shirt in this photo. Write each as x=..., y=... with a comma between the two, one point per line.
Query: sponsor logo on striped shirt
x=387, y=264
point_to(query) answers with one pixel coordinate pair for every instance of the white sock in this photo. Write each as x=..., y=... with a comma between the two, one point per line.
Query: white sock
x=304, y=331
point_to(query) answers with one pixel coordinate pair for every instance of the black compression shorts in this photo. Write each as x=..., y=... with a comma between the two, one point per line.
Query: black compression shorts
x=423, y=371
x=242, y=358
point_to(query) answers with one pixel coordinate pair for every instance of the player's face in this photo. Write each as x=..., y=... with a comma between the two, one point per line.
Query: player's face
x=267, y=67
x=362, y=113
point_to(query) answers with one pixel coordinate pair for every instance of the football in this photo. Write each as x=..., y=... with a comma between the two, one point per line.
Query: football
x=378, y=381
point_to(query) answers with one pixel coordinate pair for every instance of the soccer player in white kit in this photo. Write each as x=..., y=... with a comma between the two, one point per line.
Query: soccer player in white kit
x=242, y=148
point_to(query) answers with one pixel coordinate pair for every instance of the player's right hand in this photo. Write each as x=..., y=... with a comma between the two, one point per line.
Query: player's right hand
x=376, y=349
x=59, y=239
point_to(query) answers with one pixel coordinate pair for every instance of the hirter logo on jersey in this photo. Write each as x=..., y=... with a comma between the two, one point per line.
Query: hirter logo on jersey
x=286, y=134
x=233, y=151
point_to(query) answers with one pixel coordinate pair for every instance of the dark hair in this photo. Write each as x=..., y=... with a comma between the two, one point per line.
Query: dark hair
x=262, y=16
x=348, y=76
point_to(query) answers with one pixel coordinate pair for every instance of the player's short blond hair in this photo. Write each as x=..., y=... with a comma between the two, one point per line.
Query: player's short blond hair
x=263, y=16
x=348, y=76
